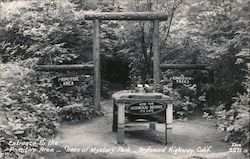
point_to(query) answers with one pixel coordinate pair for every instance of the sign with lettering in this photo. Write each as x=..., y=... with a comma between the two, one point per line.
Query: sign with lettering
x=146, y=108
x=68, y=81
x=182, y=79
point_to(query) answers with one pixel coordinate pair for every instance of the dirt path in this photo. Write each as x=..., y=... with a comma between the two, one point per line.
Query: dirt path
x=193, y=135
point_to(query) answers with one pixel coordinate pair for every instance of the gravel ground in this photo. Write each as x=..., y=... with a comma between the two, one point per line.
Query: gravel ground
x=198, y=138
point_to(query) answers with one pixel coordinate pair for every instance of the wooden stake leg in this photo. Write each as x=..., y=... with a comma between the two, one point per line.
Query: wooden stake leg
x=152, y=125
x=121, y=124
x=114, y=126
x=169, y=125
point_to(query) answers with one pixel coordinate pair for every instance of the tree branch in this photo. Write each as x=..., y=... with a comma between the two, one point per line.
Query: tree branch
x=174, y=8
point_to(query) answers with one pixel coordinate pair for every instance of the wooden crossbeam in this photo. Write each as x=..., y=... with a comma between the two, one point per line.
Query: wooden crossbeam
x=185, y=66
x=64, y=67
x=140, y=16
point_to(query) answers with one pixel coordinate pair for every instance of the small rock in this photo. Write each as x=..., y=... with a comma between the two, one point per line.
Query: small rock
x=19, y=132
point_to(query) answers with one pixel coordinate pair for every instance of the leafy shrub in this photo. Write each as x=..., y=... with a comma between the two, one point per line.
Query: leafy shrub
x=52, y=31
x=186, y=98
x=235, y=121
x=34, y=103
x=29, y=114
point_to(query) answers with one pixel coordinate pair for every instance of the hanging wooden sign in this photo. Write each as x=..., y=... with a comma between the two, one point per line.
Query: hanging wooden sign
x=182, y=79
x=68, y=81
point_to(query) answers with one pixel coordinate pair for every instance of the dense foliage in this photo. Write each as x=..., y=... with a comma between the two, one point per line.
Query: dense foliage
x=28, y=114
x=223, y=31
x=48, y=30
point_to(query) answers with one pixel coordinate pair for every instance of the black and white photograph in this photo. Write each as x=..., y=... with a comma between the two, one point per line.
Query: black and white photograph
x=124, y=79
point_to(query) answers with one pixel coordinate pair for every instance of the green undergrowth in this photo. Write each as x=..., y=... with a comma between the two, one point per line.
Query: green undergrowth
x=32, y=105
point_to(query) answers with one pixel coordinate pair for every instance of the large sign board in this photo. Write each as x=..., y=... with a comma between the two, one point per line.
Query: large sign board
x=146, y=108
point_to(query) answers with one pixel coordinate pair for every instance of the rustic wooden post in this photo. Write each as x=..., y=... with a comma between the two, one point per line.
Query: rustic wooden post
x=96, y=59
x=156, y=59
x=115, y=117
x=211, y=75
x=210, y=92
x=169, y=124
x=152, y=125
x=121, y=123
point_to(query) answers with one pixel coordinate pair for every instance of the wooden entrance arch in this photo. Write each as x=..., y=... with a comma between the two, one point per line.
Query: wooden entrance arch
x=156, y=17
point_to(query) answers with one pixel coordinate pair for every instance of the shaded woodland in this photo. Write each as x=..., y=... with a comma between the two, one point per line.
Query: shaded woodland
x=55, y=32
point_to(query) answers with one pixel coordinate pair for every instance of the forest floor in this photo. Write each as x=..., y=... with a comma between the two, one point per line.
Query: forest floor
x=192, y=134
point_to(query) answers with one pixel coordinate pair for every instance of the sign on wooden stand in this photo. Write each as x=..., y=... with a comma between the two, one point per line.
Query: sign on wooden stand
x=131, y=107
